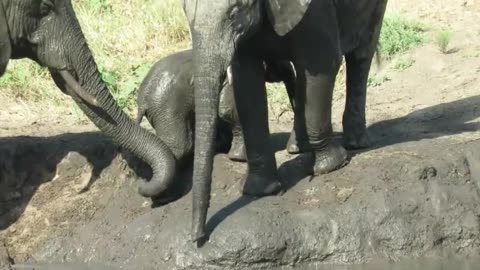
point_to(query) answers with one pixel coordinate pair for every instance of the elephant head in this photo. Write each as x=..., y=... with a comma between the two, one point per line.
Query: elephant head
x=218, y=28
x=48, y=32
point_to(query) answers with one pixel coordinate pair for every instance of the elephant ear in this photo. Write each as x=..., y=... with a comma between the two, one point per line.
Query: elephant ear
x=5, y=45
x=284, y=15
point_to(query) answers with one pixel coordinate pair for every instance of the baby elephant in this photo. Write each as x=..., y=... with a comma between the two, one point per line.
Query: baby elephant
x=166, y=98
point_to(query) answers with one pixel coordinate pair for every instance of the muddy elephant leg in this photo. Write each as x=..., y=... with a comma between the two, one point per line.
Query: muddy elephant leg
x=329, y=155
x=319, y=59
x=355, y=134
x=297, y=142
x=237, y=150
x=251, y=99
x=228, y=112
x=290, y=81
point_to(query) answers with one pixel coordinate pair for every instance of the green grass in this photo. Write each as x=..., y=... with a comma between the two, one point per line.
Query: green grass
x=403, y=63
x=128, y=37
x=377, y=80
x=442, y=40
x=400, y=34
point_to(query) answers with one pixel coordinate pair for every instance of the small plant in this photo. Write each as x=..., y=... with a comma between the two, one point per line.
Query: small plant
x=442, y=40
x=403, y=63
x=124, y=86
x=126, y=97
x=377, y=80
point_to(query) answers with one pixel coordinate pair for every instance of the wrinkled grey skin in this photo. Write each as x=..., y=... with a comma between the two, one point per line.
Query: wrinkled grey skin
x=166, y=98
x=313, y=35
x=48, y=32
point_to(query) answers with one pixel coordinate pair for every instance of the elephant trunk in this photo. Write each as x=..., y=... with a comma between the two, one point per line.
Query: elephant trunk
x=113, y=122
x=210, y=66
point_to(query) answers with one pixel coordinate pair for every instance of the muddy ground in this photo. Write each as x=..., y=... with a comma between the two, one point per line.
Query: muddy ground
x=67, y=196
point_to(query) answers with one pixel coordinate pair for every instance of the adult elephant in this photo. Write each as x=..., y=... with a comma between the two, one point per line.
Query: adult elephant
x=48, y=32
x=314, y=35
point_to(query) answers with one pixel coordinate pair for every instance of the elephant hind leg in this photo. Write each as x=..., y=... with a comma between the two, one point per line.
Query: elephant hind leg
x=229, y=114
x=359, y=61
x=355, y=135
x=237, y=150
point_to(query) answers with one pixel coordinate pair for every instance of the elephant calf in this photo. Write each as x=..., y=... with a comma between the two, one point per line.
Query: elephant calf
x=166, y=98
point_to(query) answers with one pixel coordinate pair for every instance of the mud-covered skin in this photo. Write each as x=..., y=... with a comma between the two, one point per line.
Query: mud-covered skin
x=314, y=35
x=166, y=98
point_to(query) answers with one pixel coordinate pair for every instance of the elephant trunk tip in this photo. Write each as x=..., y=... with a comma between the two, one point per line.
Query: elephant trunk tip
x=199, y=235
x=156, y=186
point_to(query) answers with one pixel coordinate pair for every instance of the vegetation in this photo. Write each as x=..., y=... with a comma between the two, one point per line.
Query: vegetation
x=128, y=37
x=442, y=40
x=400, y=34
x=403, y=63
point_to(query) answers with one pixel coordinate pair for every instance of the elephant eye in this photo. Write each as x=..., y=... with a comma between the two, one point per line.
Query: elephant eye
x=46, y=6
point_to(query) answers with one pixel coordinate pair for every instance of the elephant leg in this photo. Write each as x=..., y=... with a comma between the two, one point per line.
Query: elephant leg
x=228, y=112
x=329, y=155
x=251, y=99
x=283, y=71
x=319, y=59
x=289, y=79
x=237, y=150
x=355, y=134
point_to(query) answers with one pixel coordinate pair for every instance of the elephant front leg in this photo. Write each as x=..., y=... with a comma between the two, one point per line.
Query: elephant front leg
x=251, y=101
x=355, y=134
x=329, y=155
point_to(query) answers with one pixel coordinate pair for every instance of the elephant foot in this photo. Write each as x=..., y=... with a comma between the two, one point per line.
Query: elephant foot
x=257, y=185
x=292, y=144
x=237, y=151
x=331, y=158
x=356, y=140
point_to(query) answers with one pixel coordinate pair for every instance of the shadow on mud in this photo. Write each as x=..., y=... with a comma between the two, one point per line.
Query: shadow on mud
x=428, y=123
x=26, y=162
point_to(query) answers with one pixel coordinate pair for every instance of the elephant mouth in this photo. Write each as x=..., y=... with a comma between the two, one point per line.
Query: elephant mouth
x=74, y=88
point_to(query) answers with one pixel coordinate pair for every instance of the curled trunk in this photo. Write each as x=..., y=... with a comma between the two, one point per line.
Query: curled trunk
x=113, y=122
